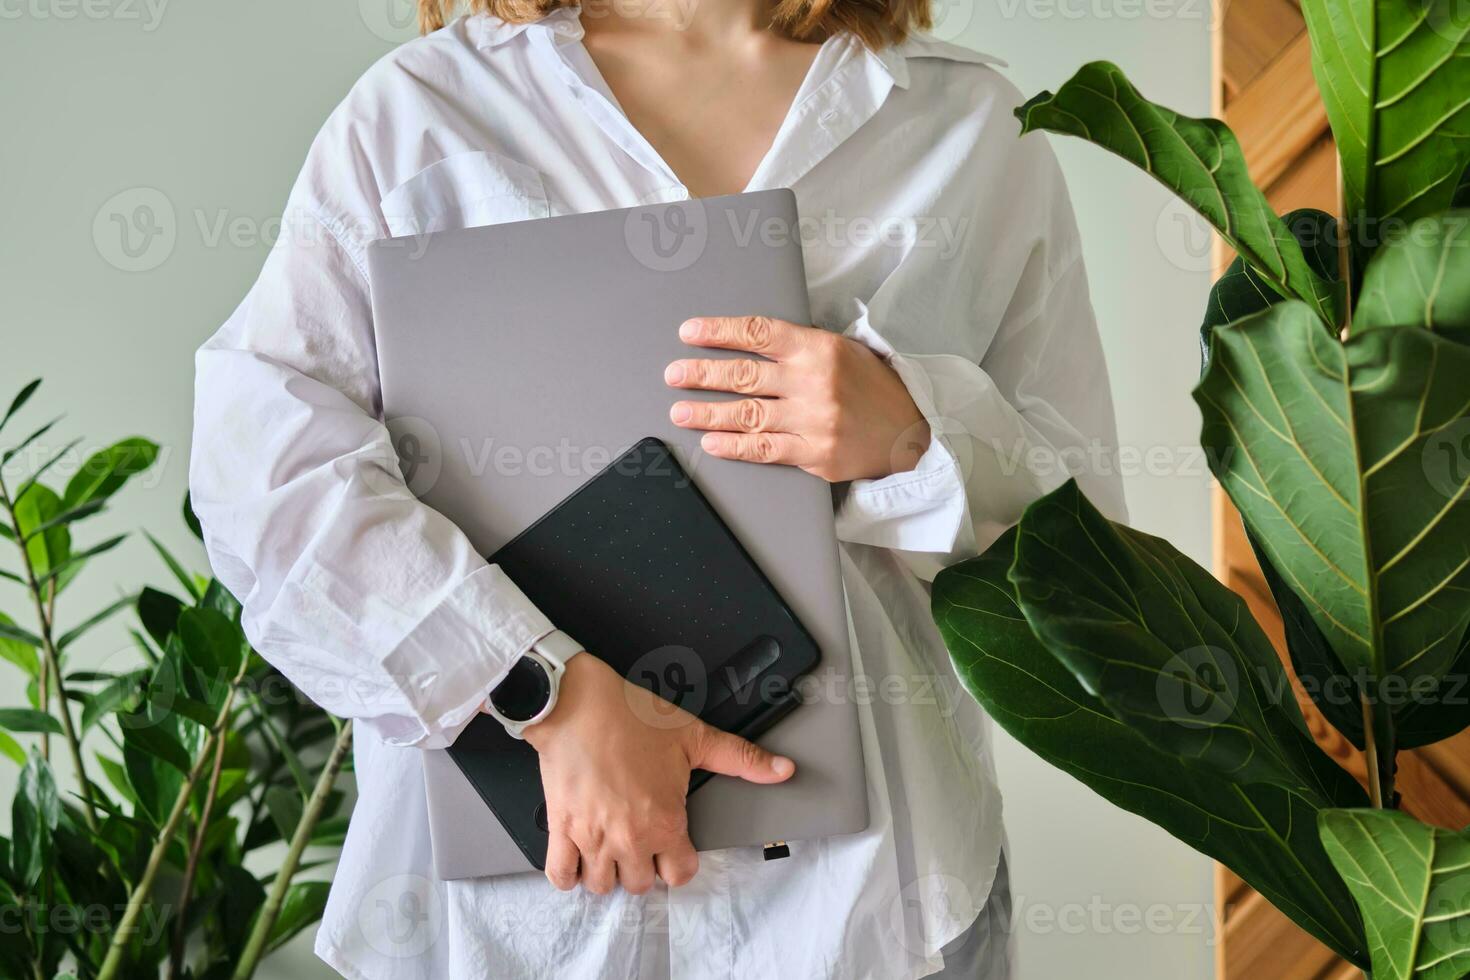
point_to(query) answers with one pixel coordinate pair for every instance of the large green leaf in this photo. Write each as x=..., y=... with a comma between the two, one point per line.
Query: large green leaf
x=303, y=905
x=1327, y=449
x=34, y=812
x=1262, y=832
x=1412, y=883
x=1241, y=291
x=1421, y=278
x=19, y=646
x=1198, y=159
x=1395, y=76
x=49, y=549
x=1330, y=687
x=1171, y=651
x=29, y=720
x=104, y=473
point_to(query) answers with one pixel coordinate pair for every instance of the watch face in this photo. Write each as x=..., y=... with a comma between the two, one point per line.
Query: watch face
x=524, y=692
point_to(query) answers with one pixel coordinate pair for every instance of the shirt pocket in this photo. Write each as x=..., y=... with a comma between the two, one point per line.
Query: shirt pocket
x=465, y=190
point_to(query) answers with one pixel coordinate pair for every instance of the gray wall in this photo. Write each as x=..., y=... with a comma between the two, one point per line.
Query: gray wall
x=203, y=111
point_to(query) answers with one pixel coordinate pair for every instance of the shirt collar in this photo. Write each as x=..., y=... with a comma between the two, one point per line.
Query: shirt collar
x=565, y=23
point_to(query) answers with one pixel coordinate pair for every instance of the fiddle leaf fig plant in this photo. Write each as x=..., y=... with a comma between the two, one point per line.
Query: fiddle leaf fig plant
x=1335, y=398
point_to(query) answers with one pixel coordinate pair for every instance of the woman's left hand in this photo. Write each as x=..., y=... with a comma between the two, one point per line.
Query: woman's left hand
x=822, y=402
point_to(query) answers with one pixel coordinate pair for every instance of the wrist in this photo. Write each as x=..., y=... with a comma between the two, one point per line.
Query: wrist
x=530, y=690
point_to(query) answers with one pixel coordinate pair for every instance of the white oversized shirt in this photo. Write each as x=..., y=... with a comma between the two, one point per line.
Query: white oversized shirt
x=930, y=232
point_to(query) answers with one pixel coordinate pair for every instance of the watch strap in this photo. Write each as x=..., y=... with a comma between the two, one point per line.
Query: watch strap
x=557, y=647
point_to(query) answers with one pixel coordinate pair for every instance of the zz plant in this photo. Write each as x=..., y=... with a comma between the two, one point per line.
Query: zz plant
x=187, y=755
x=1335, y=396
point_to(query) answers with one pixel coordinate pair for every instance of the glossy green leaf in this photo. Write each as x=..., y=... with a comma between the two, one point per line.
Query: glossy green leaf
x=1329, y=452
x=213, y=644
x=1264, y=833
x=16, y=403
x=1412, y=883
x=303, y=905
x=34, y=812
x=120, y=694
x=49, y=549
x=1421, y=279
x=67, y=570
x=29, y=720
x=19, y=646
x=1395, y=76
x=1171, y=651
x=1198, y=159
x=1331, y=688
x=12, y=749
x=104, y=473
x=22, y=446
x=159, y=613
x=191, y=586
x=154, y=737
x=1241, y=291
x=285, y=807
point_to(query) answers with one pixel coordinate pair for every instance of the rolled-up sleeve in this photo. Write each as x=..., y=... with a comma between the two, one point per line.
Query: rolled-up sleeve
x=1035, y=411
x=376, y=606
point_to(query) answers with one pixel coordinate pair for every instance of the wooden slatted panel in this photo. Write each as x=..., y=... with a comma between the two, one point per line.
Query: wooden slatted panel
x=1252, y=37
x=1266, y=92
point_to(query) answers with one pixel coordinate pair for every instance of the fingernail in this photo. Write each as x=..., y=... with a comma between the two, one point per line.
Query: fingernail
x=680, y=413
x=674, y=373
x=708, y=442
x=688, y=329
x=782, y=766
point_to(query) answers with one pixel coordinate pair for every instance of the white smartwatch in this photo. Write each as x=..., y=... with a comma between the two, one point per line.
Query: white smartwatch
x=528, y=692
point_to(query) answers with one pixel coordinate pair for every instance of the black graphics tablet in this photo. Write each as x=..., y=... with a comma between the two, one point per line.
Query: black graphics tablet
x=637, y=567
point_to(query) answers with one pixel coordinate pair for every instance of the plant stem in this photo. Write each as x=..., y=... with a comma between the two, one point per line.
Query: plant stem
x=191, y=867
x=265, y=920
x=1370, y=753
x=53, y=661
x=117, y=949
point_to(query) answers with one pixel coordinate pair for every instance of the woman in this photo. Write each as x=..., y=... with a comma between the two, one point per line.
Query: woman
x=953, y=374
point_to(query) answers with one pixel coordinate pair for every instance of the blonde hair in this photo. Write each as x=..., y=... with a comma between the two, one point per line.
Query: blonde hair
x=875, y=22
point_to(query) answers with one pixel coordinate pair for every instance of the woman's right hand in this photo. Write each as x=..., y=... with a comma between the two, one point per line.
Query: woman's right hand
x=615, y=764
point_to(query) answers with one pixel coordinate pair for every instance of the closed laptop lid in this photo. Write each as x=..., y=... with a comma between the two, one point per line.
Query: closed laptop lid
x=520, y=359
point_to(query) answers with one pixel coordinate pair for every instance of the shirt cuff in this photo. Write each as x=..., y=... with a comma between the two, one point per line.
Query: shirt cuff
x=448, y=664
x=922, y=509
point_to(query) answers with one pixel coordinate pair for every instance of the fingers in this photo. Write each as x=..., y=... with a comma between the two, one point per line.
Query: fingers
x=731, y=755
x=677, y=865
x=561, y=861
x=775, y=339
x=742, y=376
x=757, y=447
x=599, y=871
x=746, y=415
x=635, y=873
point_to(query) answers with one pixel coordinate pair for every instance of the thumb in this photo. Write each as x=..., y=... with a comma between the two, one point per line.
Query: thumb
x=731, y=755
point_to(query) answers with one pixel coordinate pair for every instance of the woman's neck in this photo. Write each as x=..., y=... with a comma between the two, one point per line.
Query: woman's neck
x=697, y=23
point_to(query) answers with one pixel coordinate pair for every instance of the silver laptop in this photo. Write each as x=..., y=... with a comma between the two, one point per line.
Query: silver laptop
x=520, y=359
